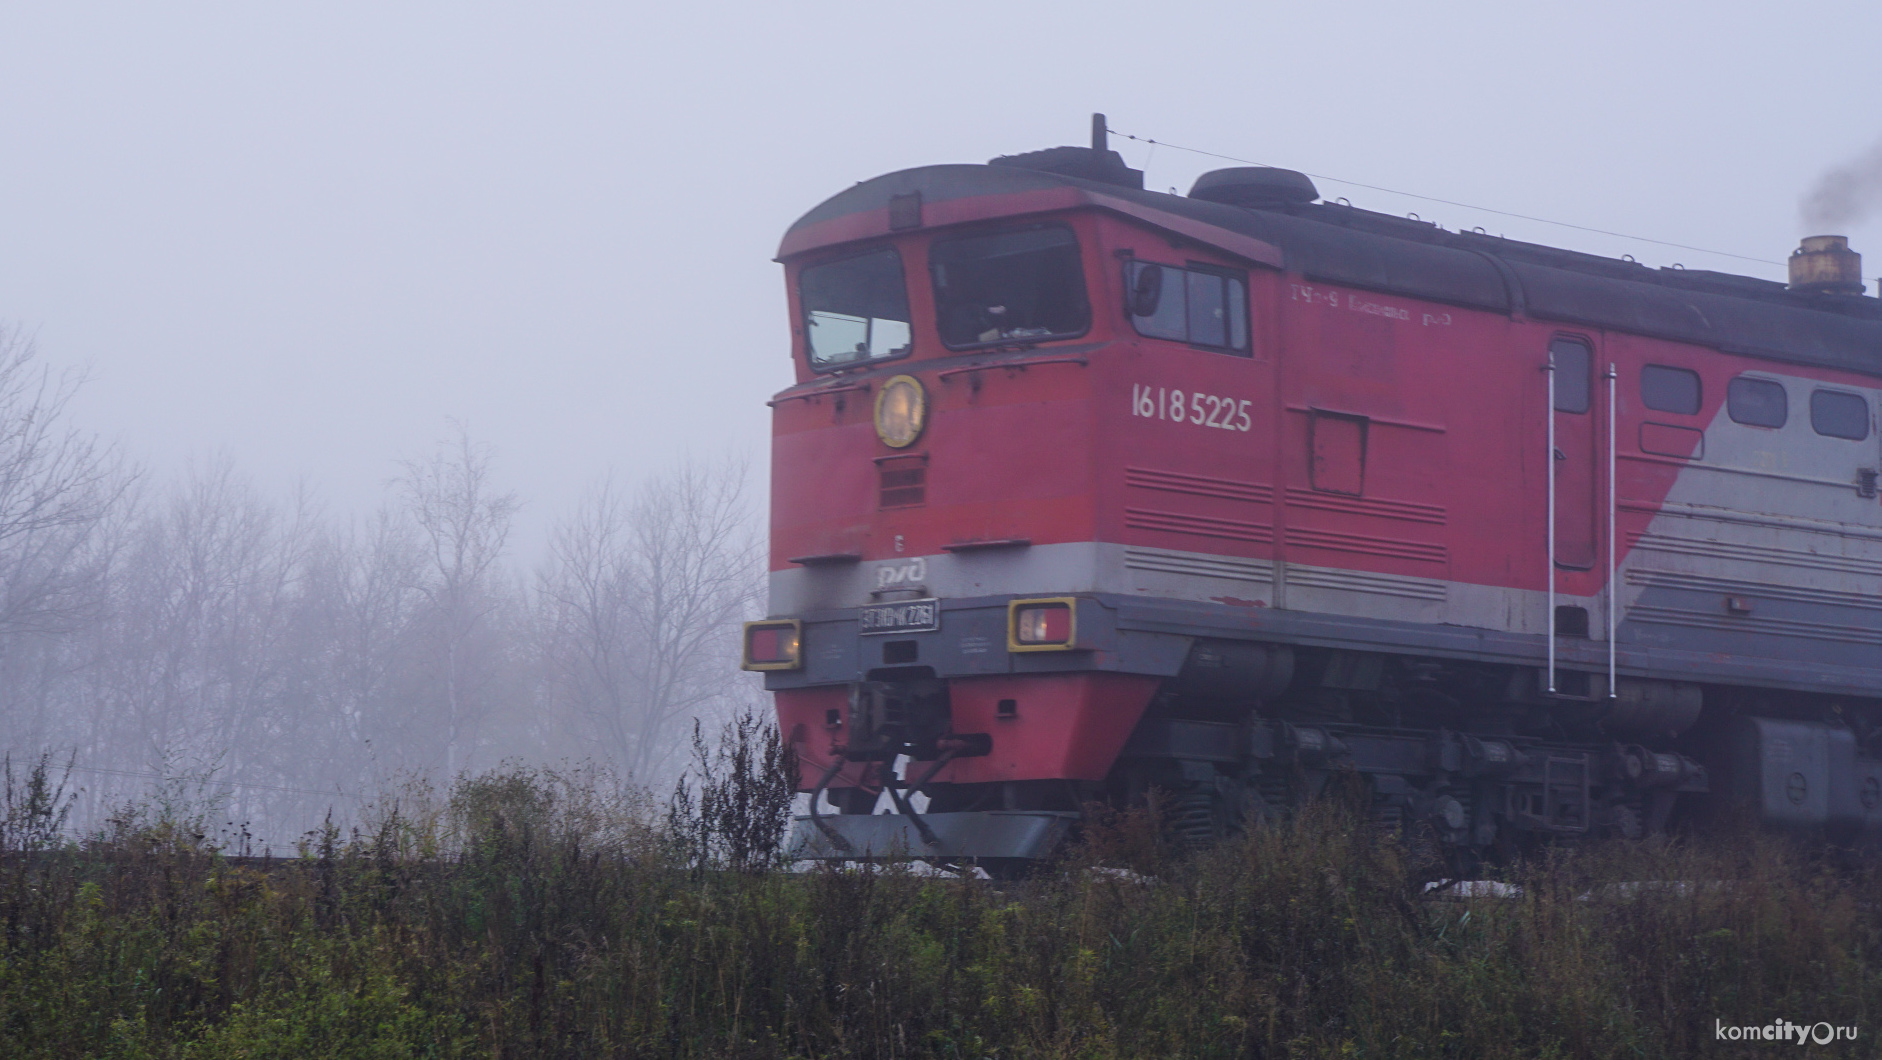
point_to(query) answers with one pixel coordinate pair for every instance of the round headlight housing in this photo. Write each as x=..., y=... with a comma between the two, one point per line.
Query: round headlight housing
x=901, y=411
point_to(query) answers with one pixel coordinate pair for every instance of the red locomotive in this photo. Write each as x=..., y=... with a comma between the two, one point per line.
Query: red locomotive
x=1085, y=490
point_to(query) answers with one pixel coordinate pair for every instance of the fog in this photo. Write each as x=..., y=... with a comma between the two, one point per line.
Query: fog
x=299, y=246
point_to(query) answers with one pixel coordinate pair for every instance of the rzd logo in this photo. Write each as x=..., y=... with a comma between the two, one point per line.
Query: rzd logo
x=903, y=573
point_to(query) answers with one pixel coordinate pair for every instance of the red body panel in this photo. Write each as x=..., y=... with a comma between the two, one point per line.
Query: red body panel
x=1070, y=726
x=1010, y=457
x=804, y=722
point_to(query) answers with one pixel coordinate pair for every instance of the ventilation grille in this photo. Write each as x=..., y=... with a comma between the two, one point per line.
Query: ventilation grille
x=1199, y=525
x=1198, y=485
x=1353, y=581
x=1372, y=546
x=1761, y=590
x=904, y=482
x=1241, y=570
x=1384, y=509
x=1726, y=550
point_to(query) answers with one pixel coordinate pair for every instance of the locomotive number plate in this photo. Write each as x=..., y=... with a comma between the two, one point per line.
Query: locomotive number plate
x=902, y=616
x=1203, y=410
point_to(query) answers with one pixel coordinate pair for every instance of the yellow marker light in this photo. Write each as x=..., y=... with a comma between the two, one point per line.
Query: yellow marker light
x=773, y=645
x=901, y=411
x=1042, y=625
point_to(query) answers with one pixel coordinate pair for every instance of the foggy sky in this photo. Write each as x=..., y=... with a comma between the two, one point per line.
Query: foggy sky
x=305, y=236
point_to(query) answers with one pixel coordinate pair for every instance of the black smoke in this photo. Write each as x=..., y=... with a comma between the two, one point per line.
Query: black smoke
x=1845, y=194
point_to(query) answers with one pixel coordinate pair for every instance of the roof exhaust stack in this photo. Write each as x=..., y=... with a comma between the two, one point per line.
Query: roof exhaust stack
x=1826, y=265
x=1098, y=162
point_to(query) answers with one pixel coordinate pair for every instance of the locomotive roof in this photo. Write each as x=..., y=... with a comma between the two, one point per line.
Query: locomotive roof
x=1340, y=244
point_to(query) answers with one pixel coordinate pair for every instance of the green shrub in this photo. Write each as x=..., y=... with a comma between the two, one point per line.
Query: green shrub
x=541, y=913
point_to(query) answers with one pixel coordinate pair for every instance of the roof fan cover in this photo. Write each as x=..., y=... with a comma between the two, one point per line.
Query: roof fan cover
x=1254, y=186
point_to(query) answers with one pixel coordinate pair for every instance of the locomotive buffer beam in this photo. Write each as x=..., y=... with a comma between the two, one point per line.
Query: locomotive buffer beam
x=986, y=836
x=944, y=837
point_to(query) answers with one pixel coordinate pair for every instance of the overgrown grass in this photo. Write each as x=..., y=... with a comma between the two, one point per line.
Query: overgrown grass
x=536, y=912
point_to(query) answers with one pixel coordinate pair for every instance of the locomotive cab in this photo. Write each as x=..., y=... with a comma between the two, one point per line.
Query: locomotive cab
x=950, y=469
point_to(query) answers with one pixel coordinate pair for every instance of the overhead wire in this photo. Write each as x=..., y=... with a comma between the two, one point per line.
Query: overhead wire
x=1452, y=202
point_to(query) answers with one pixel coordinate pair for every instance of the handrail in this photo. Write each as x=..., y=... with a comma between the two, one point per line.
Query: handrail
x=894, y=785
x=1613, y=551
x=775, y=402
x=1308, y=410
x=990, y=543
x=827, y=558
x=1015, y=365
x=816, y=795
x=1549, y=560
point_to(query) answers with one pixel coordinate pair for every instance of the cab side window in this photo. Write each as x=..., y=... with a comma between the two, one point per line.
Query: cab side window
x=1200, y=305
x=1839, y=415
x=1757, y=402
x=1573, y=362
x=856, y=309
x=1667, y=389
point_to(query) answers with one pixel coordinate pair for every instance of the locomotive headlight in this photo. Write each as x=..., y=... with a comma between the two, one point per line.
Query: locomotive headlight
x=773, y=645
x=1042, y=625
x=901, y=411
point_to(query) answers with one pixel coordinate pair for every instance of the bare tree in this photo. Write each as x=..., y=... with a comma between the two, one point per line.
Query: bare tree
x=61, y=494
x=277, y=664
x=463, y=525
x=639, y=607
x=363, y=606
x=57, y=485
x=193, y=668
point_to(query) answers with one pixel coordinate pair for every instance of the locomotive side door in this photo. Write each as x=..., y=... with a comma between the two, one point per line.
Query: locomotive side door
x=1576, y=433
x=1197, y=511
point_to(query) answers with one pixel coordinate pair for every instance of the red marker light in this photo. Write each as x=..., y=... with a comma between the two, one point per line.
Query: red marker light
x=1043, y=624
x=771, y=645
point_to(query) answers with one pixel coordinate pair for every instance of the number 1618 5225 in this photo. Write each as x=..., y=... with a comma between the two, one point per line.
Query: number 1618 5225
x=1191, y=406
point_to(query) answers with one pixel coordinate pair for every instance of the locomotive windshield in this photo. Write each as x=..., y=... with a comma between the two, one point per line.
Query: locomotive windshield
x=856, y=309
x=1023, y=285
